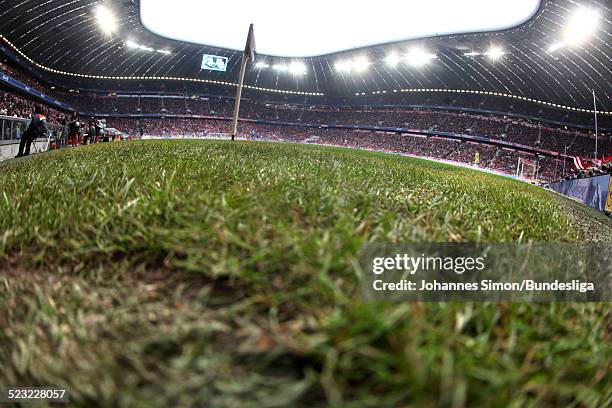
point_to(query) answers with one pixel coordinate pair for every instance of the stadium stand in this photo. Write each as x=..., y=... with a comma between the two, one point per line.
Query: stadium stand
x=524, y=132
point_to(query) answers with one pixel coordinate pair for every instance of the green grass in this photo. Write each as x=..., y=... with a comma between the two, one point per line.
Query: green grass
x=214, y=273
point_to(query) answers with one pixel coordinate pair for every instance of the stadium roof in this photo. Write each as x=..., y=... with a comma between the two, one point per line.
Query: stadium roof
x=559, y=55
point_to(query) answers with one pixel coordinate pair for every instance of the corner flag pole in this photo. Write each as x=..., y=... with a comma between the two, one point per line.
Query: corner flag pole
x=247, y=56
x=595, y=109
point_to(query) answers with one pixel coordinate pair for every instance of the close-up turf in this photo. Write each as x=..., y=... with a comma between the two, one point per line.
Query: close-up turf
x=199, y=273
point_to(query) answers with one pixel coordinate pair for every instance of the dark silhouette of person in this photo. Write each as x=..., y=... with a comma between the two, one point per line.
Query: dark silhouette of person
x=36, y=129
x=91, y=131
x=74, y=129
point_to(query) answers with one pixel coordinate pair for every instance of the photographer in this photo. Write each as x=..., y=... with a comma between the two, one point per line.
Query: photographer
x=36, y=129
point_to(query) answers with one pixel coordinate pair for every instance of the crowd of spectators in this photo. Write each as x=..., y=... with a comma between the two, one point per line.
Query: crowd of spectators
x=481, y=102
x=578, y=142
x=594, y=170
x=17, y=105
x=18, y=74
x=179, y=117
x=482, y=155
x=497, y=127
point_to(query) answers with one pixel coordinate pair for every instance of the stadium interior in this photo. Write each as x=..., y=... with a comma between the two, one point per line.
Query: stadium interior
x=532, y=85
x=225, y=271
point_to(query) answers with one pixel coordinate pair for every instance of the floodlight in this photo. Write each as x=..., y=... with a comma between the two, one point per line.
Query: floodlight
x=581, y=26
x=106, y=20
x=135, y=45
x=360, y=64
x=556, y=46
x=297, y=68
x=419, y=57
x=262, y=64
x=343, y=66
x=392, y=60
x=495, y=53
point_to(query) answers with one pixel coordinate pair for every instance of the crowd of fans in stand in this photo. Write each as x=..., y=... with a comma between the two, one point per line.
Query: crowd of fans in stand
x=523, y=132
x=481, y=155
x=19, y=106
x=179, y=103
x=594, y=171
x=512, y=130
x=20, y=75
x=483, y=102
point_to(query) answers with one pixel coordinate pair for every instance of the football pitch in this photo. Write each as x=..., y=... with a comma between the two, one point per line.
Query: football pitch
x=199, y=273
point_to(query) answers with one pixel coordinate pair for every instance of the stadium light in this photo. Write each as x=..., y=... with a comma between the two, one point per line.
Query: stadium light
x=343, y=66
x=360, y=64
x=297, y=68
x=134, y=45
x=472, y=54
x=495, y=53
x=106, y=20
x=418, y=57
x=556, y=46
x=392, y=59
x=582, y=25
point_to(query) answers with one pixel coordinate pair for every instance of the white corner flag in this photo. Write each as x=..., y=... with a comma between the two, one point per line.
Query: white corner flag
x=248, y=56
x=249, y=49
